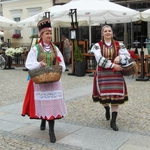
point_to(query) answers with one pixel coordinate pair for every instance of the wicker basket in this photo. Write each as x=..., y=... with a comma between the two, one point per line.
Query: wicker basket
x=46, y=74
x=129, y=69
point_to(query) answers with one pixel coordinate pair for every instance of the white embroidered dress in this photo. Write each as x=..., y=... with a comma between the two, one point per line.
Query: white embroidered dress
x=49, y=97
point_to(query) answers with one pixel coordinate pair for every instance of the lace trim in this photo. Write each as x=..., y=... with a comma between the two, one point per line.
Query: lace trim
x=48, y=95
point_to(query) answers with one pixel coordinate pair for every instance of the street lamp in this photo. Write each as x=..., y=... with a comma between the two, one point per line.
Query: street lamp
x=46, y=15
x=73, y=35
x=142, y=75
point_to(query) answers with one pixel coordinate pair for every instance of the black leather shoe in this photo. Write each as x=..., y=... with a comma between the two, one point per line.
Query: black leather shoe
x=107, y=114
x=25, y=69
x=114, y=126
x=52, y=137
x=43, y=124
x=66, y=69
x=51, y=131
x=113, y=121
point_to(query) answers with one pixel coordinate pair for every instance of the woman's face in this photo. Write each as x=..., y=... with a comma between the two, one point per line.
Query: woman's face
x=107, y=33
x=46, y=36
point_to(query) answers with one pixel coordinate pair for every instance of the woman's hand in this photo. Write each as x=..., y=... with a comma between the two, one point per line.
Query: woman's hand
x=43, y=64
x=117, y=60
x=117, y=67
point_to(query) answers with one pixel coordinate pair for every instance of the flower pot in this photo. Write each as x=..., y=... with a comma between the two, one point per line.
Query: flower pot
x=80, y=68
x=9, y=62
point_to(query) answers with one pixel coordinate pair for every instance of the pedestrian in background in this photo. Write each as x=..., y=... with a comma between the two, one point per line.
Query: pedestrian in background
x=109, y=86
x=67, y=50
x=45, y=101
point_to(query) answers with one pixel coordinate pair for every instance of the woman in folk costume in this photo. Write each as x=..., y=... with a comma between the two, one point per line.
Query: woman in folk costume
x=109, y=86
x=45, y=101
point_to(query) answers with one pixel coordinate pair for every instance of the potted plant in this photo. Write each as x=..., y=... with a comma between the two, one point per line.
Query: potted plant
x=14, y=51
x=79, y=63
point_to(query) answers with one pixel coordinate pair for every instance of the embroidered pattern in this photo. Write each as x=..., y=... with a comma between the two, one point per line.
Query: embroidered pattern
x=96, y=47
x=102, y=61
x=49, y=95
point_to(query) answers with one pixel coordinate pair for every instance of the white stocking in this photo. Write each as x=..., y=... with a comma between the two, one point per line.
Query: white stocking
x=114, y=108
x=104, y=105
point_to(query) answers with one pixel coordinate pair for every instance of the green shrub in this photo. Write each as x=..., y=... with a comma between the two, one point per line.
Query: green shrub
x=78, y=57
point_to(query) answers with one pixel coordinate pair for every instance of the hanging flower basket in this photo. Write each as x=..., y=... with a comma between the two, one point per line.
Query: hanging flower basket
x=16, y=36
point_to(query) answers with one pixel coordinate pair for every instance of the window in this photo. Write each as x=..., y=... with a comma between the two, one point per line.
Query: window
x=34, y=11
x=17, y=19
x=16, y=14
x=34, y=31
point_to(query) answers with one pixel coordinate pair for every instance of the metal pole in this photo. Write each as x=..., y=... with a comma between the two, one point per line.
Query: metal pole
x=125, y=35
x=142, y=76
x=90, y=41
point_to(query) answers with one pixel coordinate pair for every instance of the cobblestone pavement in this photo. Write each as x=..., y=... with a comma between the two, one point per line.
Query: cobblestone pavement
x=13, y=84
x=132, y=117
x=11, y=141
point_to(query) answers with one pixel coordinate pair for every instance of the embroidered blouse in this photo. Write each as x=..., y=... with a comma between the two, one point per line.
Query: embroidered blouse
x=107, y=62
x=33, y=63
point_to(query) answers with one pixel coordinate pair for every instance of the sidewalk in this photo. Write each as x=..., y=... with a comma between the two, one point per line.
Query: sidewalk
x=78, y=130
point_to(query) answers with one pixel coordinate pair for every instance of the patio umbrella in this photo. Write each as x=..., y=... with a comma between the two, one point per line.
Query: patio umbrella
x=6, y=23
x=95, y=12
x=145, y=15
x=33, y=20
x=99, y=11
x=1, y=33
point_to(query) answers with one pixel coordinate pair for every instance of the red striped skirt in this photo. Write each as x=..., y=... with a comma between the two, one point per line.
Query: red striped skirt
x=109, y=87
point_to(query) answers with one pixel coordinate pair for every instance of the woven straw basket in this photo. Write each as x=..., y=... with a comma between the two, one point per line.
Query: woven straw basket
x=129, y=69
x=46, y=74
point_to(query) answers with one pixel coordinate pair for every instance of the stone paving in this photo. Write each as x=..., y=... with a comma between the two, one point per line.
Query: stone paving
x=133, y=117
x=11, y=141
x=13, y=86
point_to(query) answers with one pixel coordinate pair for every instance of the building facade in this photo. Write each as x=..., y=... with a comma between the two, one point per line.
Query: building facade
x=19, y=10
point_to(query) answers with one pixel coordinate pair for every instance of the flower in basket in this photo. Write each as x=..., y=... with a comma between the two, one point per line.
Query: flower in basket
x=19, y=50
x=10, y=52
x=16, y=35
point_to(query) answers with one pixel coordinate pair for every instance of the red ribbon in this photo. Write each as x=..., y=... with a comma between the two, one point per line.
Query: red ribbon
x=132, y=54
x=58, y=58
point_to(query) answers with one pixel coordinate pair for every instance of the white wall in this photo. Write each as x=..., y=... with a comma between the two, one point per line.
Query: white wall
x=22, y=8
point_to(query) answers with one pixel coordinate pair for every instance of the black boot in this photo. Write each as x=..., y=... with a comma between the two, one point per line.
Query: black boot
x=43, y=124
x=113, y=121
x=51, y=131
x=107, y=114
